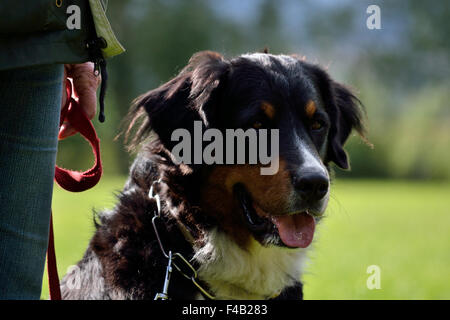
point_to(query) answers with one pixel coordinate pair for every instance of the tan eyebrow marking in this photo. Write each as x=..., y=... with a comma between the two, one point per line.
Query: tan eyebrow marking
x=310, y=109
x=268, y=109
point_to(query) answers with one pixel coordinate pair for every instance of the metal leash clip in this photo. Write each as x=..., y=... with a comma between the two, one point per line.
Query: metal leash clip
x=157, y=214
x=164, y=294
x=191, y=273
x=193, y=276
x=153, y=195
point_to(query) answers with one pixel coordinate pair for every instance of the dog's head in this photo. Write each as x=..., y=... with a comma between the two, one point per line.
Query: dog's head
x=314, y=116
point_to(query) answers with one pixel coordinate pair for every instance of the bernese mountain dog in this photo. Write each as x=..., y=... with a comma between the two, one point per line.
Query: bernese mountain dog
x=221, y=231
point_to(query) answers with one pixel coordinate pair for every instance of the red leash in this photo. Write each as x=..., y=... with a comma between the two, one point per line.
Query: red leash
x=72, y=180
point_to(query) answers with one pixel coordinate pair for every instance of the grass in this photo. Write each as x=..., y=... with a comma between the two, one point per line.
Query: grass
x=402, y=227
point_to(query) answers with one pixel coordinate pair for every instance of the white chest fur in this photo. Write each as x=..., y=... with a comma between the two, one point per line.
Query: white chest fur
x=257, y=273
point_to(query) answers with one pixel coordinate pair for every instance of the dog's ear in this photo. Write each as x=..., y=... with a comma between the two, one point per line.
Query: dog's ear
x=178, y=103
x=347, y=117
x=344, y=110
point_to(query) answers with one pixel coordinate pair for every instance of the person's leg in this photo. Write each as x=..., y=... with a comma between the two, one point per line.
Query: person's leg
x=30, y=100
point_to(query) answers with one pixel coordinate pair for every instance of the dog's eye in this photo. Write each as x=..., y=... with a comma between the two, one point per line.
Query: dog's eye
x=257, y=124
x=316, y=125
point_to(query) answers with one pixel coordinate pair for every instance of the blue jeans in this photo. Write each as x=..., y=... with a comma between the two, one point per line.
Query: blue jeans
x=30, y=100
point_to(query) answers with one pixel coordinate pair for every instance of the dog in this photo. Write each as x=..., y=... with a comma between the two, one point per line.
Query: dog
x=220, y=231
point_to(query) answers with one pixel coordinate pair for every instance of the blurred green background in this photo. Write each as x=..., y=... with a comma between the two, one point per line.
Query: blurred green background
x=391, y=209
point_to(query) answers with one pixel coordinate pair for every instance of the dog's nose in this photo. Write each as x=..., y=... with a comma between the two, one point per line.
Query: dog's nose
x=312, y=186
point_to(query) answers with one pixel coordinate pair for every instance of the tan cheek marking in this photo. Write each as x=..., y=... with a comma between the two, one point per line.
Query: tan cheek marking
x=310, y=109
x=218, y=200
x=270, y=192
x=268, y=109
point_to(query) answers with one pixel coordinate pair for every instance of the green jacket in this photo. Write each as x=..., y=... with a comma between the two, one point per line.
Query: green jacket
x=34, y=32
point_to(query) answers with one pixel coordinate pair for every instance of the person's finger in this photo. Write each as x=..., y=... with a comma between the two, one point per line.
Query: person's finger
x=65, y=131
x=85, y=85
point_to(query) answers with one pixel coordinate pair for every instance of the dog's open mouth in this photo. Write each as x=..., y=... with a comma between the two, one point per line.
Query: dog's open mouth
x=295, y=230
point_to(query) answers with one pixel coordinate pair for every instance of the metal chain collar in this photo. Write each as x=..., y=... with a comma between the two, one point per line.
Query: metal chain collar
x=189, y=273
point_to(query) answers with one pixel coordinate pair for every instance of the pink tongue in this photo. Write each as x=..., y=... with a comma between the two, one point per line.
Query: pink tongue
x=295, y=230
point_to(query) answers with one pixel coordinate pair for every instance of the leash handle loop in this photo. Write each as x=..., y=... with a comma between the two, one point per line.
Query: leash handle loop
x=73, y=180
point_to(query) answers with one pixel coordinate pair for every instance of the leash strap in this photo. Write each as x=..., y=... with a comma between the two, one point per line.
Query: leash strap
x=72, y=180
x=52, y=270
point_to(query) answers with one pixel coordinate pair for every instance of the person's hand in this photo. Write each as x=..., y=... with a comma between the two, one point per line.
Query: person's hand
x=85, y=84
